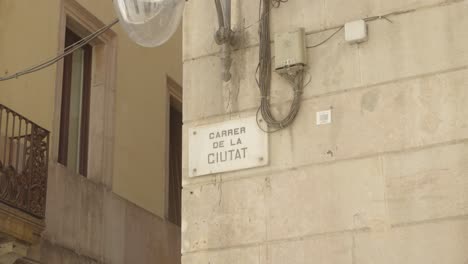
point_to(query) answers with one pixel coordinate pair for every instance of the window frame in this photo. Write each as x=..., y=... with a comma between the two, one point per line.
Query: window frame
x=174, y=100
x=102, y=93
x=70, y=38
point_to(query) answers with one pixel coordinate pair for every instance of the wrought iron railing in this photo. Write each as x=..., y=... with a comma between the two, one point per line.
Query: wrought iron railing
x=24, y=158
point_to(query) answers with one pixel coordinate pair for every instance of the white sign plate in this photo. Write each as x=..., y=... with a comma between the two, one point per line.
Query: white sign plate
x=227, y=146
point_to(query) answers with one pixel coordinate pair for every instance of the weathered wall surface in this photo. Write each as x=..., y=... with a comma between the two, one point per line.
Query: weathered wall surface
x=88, y=222
x=386, y=182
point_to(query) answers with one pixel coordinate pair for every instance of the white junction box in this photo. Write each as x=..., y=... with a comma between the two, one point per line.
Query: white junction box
x=290, y=50
x=324, y=117
x=356, y=31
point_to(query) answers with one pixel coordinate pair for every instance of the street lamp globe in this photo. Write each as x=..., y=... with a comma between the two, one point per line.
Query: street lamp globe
x=149, y=23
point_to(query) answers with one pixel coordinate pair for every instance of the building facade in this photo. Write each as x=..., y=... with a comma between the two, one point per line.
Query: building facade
x=384, y=182
x=92, y=132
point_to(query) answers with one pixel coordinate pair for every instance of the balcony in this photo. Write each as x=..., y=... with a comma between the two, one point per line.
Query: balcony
x=24, y=152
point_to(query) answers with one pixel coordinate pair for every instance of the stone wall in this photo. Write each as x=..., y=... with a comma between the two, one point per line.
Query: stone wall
x=87, y=223
x=386, y=182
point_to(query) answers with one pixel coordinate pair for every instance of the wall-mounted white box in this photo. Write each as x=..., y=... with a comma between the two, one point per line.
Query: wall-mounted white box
x=324, y=117
x=356, y=31
x=290, y=50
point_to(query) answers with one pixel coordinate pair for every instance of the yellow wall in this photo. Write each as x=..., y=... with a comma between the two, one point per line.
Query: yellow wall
x=29, y=33
x=141, y=121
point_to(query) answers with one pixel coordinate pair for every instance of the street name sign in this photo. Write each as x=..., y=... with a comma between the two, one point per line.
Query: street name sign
x=227, y=146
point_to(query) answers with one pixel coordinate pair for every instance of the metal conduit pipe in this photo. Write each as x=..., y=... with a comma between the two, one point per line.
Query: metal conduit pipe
x=225, y=36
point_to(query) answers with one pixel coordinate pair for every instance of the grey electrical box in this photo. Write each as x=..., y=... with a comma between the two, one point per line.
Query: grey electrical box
x=290, y=50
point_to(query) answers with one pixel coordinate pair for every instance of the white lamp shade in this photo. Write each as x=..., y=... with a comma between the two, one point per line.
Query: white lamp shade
x=150, y=23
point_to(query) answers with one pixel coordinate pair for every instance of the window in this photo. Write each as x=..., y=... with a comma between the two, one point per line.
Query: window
x=74, y=119
x=175, y=153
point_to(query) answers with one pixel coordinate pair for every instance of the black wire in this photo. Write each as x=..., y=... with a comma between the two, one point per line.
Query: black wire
x=327, y=39
x=68, y=50
x=277, y=3
x=263, y=76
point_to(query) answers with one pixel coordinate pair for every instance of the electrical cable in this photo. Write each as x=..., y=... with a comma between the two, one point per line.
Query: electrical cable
x=327, y=39
x=275, y=4
x=67, y=51
x=342, y=27
x=264, y=74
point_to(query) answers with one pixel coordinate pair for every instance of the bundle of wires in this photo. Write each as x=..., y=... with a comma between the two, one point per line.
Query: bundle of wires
x=68, y=50
x=295, y=78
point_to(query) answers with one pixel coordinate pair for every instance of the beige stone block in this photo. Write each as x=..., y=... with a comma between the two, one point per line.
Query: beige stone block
x=114, y=227
x=338, y=12
x=70, y=212
x=341, y=196
x=386, y=118
x=75, y=217
x=17, y=226
x=386, y=6
x=96, y=134
x=335, y=249
x=139, y=247
x=223, y=214
x=364, y=122
x=90, y=240
x=200, y=24
x=299, y=13
x=329, y=198
x=148, y=238
x=202, y=83
x=54, y=254
x=427, y=184
x=441, y=242
x=416, y=43
x=251, y=255
x=54, y=205
x=332, y=67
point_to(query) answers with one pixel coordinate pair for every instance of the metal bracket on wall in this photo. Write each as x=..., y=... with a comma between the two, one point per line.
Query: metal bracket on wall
x=225, y=36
